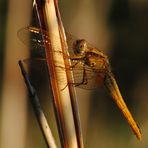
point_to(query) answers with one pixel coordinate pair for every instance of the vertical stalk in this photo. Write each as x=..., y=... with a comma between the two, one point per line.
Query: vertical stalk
x=62, y=103
x=73, y=96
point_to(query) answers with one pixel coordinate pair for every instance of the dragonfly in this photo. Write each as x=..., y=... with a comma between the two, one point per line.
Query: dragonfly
x=89, y=65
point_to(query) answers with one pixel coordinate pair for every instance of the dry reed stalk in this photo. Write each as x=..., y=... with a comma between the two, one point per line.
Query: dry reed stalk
x=62, y=101
x=72, y=90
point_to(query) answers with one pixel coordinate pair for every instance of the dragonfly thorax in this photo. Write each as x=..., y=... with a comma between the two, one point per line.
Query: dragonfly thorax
x=96, y=61
x=80, y=47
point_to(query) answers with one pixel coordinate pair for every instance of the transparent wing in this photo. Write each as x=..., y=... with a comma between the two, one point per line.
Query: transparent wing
x=33, y=38
x=91, y=79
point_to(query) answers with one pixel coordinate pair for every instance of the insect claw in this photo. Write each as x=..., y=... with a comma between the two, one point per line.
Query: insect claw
x=64, y=87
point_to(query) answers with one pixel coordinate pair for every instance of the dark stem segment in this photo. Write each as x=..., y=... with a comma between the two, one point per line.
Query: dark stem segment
x=49, y=139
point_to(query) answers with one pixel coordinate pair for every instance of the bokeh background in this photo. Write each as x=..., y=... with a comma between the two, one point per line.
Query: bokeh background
x=119, y=28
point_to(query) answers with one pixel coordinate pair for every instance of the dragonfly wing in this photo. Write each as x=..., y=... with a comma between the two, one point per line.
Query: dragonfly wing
x=32, y=37
x=88, y=79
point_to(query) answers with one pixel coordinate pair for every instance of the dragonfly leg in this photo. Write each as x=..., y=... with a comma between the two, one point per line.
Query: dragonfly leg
x=83, y=82
x=84, y=79
x=75, y=64
x=71, y=67
x=65, y=86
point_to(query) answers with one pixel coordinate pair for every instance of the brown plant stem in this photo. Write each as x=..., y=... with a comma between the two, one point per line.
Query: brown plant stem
x=71, y=88
x=61, y=98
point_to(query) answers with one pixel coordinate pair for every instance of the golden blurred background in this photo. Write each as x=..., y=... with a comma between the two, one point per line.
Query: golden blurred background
x=119, y=28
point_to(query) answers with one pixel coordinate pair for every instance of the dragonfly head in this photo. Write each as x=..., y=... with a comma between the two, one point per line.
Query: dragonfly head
x=80, y=47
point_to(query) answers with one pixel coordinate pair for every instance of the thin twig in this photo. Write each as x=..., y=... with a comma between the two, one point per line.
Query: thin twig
x=38, y=110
